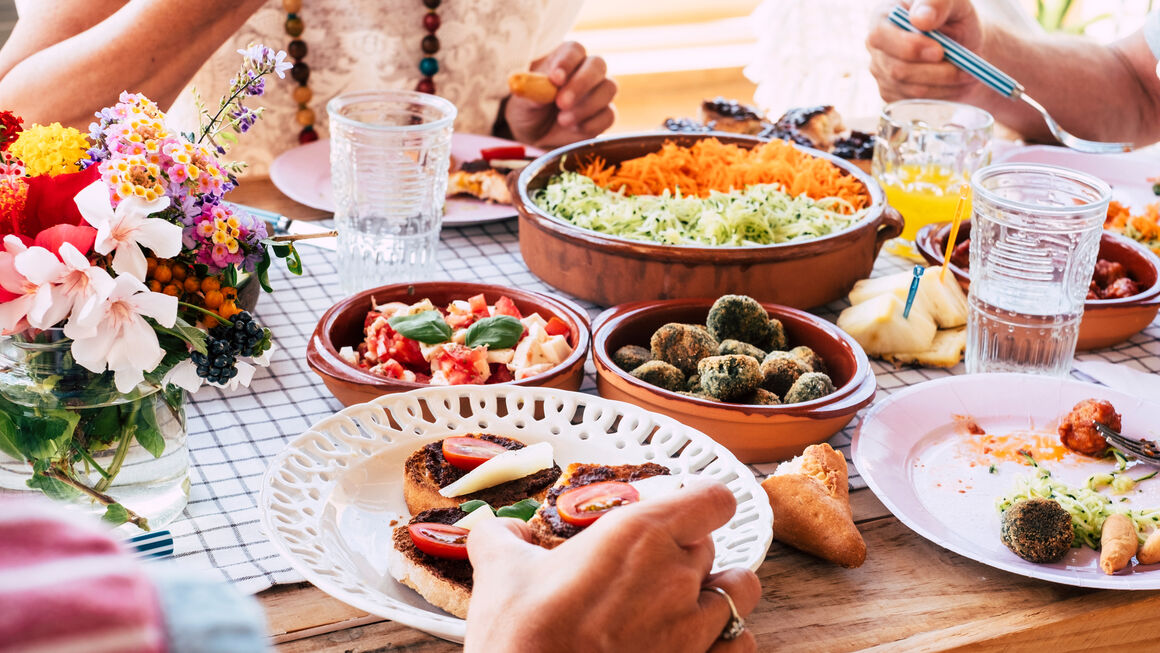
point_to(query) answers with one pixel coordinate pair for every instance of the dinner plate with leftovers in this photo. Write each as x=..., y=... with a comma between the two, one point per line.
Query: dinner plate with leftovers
x=373, y=504
x=1009, y=470
x=477, y=187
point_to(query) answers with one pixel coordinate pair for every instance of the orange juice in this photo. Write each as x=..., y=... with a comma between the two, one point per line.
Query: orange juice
x=923, y=194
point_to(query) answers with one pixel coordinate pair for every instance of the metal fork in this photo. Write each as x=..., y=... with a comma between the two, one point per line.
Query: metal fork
x=1144, y=450
x=1003, y=84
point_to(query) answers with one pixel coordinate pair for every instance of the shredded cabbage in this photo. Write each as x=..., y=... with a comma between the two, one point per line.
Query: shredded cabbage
x=761, y=214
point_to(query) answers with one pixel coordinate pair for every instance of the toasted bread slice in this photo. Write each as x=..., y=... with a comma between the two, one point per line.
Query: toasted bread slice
x=426, y=471
x=810, y=497
x=489, y=185
x=548, y=529
x=444, y=583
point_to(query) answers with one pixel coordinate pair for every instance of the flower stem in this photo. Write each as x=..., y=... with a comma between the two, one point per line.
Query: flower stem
x=296, y=237
x=118, y=458
x=207, y=312
x=134, y=518
x=91, y=461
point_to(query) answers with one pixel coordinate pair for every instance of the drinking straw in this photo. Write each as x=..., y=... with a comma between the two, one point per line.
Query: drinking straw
x=963, y=190
x=918, y=270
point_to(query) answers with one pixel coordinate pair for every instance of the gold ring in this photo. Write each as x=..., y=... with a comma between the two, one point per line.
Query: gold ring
x=736, y=624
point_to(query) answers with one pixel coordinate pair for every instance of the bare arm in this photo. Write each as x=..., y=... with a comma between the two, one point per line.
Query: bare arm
x=68, y=58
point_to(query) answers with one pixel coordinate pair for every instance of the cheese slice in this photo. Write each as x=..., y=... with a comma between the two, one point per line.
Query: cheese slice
x=475, y=518
x=507, y=466
x=655, y=487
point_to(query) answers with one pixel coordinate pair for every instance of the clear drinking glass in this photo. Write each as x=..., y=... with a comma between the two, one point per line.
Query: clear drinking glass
x=389, y=156
x=924, y=151
x=1035, y=233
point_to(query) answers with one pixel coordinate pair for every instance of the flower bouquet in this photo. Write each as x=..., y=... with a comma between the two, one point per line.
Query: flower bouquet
x=120, y=272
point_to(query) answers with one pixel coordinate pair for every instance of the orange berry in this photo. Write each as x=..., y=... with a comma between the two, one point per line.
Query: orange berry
x=214, y=299
x=172, y=290
x=230, y=293
x=155, y=285
x=178, y=271
x=228, y=309
x=163, y=273
x=192, y=284
x=210, y=284
x=150, y=265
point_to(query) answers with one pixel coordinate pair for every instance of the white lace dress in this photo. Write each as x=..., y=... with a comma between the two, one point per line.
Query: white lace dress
x=374, y=44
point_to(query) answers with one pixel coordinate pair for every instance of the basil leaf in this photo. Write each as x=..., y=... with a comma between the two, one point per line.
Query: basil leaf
x=519, y=510
x=470, y=506
x=427, y=327
x=499, y=332
x=116, y=514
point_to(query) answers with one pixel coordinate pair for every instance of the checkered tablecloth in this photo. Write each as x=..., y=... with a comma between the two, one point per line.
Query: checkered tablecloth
x=233, y=435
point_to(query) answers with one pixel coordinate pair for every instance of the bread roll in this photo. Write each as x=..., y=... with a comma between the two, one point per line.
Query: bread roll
x=533, y=86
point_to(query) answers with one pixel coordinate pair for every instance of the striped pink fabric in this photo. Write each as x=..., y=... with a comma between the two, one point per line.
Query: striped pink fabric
x=66, y=586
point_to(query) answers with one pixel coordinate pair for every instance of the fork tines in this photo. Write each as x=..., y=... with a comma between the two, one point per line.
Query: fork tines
x=1140, y=448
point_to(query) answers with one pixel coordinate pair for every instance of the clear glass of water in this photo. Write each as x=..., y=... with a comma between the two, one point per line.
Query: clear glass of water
x=389, y=156
x=1035, y=233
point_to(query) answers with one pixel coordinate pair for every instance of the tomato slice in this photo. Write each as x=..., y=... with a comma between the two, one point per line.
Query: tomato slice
x=557, y=327
x=478, y=305
x=583, y=505
x=467, y=453
x=439, y=540
x=502, y=152
x=505, y=306
x=461, y=365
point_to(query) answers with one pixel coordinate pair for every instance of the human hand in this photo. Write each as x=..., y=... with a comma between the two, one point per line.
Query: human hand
x=583, y=105
x=909, y=65
x=634, y=580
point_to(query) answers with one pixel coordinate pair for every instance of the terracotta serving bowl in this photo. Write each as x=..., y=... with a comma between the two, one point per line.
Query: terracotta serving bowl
x=1105, y=321
x=608, y=270
x=342, y=325
x=753, y=433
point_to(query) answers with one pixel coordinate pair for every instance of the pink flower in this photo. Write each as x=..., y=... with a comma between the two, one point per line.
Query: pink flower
x=81, y=281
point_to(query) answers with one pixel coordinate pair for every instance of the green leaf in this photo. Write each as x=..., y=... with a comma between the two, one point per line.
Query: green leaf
x=230, y=276
x=281, y=250
x=185, y=332
x=44, y=436
x=8, y=437
x=294, y=261
x=427, y=327
x=52, y=488
x=469, y=506
x=262, y=269
x=499, y=332
x=228, y=137
x=116, y=514
x=144, y=422
x=522, y=510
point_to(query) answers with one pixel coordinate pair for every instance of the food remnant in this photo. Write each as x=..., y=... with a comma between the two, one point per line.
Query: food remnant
x=1037, y=530
x=1143, y=228
x=1118, y=543
x=1078, y=433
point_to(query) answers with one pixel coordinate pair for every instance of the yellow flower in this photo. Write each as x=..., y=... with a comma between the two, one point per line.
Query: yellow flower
x=50, y=149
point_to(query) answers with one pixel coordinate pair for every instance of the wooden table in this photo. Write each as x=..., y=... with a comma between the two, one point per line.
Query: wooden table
x=909, y=596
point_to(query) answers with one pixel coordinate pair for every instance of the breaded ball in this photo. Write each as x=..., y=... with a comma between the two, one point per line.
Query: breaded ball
x=693, y=383
x=737, y=347
x=729, y=377
x=698, y=394
x=760, y=397
x=661, y=374
x=809, y=358
x=779, y=370
x=1077, y=432
x=777, y=338
x=738, y=317
x=630, y=357
x=809, y=386
x=1037, y=530
x=682, y=345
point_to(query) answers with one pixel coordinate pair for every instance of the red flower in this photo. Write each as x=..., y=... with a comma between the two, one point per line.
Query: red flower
x=52, y=238
x=10, y=127
x=50, y=201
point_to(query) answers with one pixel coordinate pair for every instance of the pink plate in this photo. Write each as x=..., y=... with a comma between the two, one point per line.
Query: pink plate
x=917, y=460
x=1127, y=173
x=303, y=175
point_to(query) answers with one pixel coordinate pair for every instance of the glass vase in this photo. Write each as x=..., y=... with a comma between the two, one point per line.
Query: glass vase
x=70, y=434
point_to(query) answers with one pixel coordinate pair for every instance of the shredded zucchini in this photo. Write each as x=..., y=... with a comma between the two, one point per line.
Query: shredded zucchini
x=761, y=214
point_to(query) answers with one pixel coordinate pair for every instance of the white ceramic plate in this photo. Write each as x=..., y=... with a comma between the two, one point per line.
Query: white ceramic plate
x=303, y=175
x=918, y=463
x=330, y=500
x=1127, y=173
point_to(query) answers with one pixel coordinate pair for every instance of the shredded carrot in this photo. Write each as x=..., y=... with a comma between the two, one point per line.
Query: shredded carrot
x=710, y=165
x=1144, y=228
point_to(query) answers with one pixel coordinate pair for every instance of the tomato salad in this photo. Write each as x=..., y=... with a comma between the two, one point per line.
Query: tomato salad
x=468, y=342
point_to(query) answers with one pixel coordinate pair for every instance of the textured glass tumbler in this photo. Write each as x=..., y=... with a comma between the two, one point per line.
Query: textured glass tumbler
x=1035, y=234
x=389, y=156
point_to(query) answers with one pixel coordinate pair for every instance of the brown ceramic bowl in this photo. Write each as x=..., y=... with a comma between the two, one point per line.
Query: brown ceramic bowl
x=342, y=325
x=608, y=270
x=754, y=433
x=1105, y=321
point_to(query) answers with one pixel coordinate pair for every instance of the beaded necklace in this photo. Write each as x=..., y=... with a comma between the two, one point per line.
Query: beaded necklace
x=428, y=65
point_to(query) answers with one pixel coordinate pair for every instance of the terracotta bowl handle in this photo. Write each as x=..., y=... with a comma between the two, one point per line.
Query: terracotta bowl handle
x=891, y=226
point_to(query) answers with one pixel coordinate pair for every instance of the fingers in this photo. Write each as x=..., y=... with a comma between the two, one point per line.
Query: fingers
x=575, y=109
x=743, y=588
x=496, y=540
x=564, y=61
x=701, y=556
x=887, y=40
x=930, y=15
x=598, y=123
x=687, y=515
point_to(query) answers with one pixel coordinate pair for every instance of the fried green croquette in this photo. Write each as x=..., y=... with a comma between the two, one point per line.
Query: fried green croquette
x=693, y=383
x=1037, y=530
x=630, y=357
x=738, y=317
x=777, y=338
x=779, y=370
x=682, y=345
x=809, y=386
x=737, y=347
x=728, y=377
x=809, y=359
x=661, y=374
x=760, y=397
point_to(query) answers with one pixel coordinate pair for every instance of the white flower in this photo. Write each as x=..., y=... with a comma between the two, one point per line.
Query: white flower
x=42, y=270
x=79, y=282
x=14, y=312
x=129, y=228
x=280, y=64
x=184, y=374
x=111, y=332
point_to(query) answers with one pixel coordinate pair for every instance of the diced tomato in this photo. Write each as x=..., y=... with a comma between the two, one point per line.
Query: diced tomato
x=581, y=506
x=440, y=540
x=468, y=453
x=478, y=305
x=557, y=327
x=461, y=365
x=393, y=369
x=371, y=317
x=457, y=318
x=503, y=152
x=505, y=306
x=500, y=374
x=391, y=344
